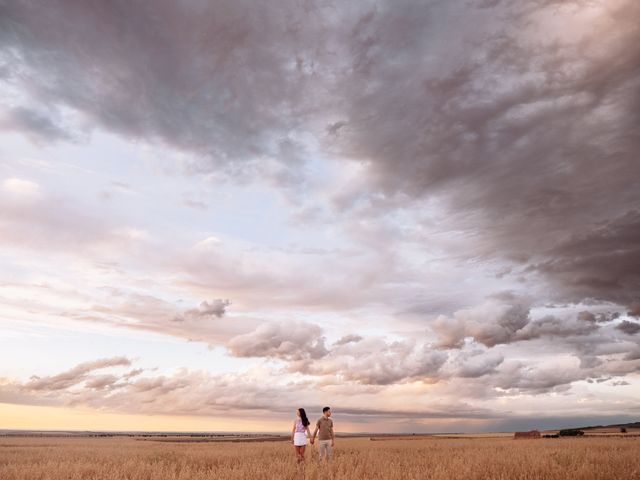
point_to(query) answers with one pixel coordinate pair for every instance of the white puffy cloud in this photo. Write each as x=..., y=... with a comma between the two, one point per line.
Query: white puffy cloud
x=495, y=321
x=286, y=340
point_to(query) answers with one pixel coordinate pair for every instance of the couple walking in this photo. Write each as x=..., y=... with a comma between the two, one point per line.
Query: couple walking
x=324, y=426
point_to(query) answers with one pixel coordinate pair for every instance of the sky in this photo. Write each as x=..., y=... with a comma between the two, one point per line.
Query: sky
x=424, y=214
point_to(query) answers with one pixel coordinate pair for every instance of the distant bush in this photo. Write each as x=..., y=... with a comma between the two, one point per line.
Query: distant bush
x=555, y=435
x=570, y=432
x=623, y=430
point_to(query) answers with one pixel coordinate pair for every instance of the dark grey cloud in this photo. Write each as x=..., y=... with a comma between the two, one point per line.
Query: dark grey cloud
x=524, y=130
x=38, y=125
x=508, y=319
x=601, y=263
x=634, y=310
x=527, y=132
x=586, y=316
x=628, y=327
x=226, y=80
x=602, y=317
x=620, y=383
x=551, y=327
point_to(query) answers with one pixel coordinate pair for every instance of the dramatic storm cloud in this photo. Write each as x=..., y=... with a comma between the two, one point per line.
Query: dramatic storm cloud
x=425, y=214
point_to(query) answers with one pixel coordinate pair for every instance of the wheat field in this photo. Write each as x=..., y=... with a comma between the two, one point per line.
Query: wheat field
x=355, y=459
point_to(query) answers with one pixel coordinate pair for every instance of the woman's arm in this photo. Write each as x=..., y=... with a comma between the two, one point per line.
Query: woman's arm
x=293, y=431
x=309, y=433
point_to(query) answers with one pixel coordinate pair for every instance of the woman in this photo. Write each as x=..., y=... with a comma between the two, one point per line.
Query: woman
x=299, y=433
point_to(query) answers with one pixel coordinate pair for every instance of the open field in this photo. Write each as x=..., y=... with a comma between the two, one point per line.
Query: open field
x=355, y=458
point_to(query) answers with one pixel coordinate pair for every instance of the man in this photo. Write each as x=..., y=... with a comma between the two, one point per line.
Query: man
x=326, y=439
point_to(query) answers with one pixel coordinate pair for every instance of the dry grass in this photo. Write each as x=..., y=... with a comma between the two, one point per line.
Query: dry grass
x=355, y=459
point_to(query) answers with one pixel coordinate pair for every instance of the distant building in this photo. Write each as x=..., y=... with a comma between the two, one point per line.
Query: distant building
x=531, y=434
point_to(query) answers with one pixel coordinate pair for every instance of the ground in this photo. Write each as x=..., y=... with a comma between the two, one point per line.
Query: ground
x=119, y=458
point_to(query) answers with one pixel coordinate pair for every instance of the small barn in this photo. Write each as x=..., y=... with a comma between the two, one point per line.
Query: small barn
x=531, y=434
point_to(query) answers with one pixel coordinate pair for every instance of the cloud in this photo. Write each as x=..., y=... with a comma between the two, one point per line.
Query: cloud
x=101, y=382
x=374, y=361
x=124, y=309
x=394, y=363
x=620, y=383
x=528, y=143
x=476, y=364
x=518, y=377
x=634, y=310
x=284, y=340
x=75, y=375
x=247, y=393
x=353, y=358
x=230, y=95
x=508, y=319
x=550, y=327
x=633, y=354
x=495, y=321
x=601, y=263
x=348, y=339
x=215, y=308
x=493, y=388
x=628, y=327
x=586, y=316
x=511, y=101
x=602, y=317
x=38, y=125
x=189, y=392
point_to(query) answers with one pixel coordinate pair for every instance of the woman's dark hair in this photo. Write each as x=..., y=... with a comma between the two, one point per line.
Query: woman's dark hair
x=303, y=417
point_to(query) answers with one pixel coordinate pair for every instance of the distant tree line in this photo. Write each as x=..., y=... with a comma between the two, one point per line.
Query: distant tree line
x=570, y=432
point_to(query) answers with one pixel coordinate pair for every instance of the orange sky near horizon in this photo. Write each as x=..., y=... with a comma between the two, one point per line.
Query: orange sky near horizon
x=35, y=417
x=32, y=417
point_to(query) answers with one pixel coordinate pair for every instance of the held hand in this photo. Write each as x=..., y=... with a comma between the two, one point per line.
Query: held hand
x=312, y=441
x=333, y=443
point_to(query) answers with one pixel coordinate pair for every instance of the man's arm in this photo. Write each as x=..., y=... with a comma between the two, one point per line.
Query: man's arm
x=333, y=436
x=315, y=431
